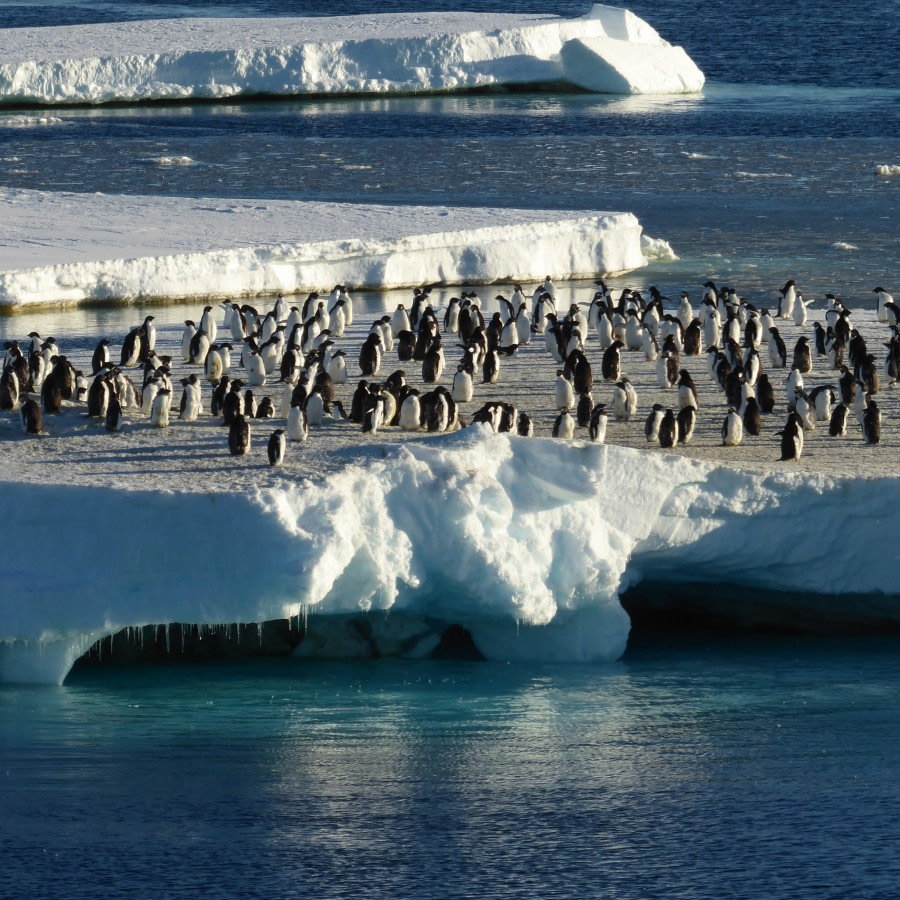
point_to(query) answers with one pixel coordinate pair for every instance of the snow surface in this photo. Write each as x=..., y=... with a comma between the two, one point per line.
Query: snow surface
x=69, y=248
x=609, y=50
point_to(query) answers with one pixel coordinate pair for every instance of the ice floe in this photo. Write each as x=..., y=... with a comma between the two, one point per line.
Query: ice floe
x=608, y=50
x=68, y=248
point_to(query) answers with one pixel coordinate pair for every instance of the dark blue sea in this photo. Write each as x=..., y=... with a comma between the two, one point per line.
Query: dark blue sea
x=704, y=763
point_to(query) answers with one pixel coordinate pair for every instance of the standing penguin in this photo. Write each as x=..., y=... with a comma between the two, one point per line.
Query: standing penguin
x=565, y=392
x=765, y=394
x=297, y=426
x=463, y=387
x=791, y=438
x=101, y=356
x=871, y=423
x=732, y=429
x=692, y=337
x=611, y=364
x=159, y=411
x=276, y=447
x=233, y=402
x=687, y=390
x=788, y=298
x=687, y=422
x=114, y=414
x=433, y=362
x=802, y=356
x=837, y=425
x=373, y=414
x=370, y=355
x=668, y=431
x=582, y=376
x=584, y=409
x=564, y=425
x=751, y=418
x=410, y=411
x=32, y=420
x=189, y=408
x=624, y=400
x=490, y=368
x=239, y=436
x=654, y=420
x=777, y=350
x=597, y=428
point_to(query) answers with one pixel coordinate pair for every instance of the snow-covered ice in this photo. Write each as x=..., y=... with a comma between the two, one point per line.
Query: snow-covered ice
x=70, y=248
x=608, y=50
x=526, y=542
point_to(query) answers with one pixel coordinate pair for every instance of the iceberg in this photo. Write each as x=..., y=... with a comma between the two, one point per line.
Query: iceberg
x=527, y=543
x=68, y=248
x=608, y=50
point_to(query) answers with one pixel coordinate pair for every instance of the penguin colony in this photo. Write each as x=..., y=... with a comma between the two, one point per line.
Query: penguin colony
x=301, y=366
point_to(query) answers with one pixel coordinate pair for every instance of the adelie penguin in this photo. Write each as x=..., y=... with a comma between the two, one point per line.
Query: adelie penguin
x=233, y=403
x=732, y=429
x=297, y=425
x=687, y=390
x=837, y=425
x=777, y=350
x=490, y=368
x=238, y=436
x=687, y=422
x=564, y=425
x=32, y=420
x=765, y=394
x=584, y=409
x=652, y=423
x=751, y=418
x=159, y=411
x=370, y=356
x=114, y=415
x=802, y=356
x=276, y=447
x=791, y=438
x=871, y=423
x=597, y=427
x=668, y=431
x=189, y=406
x=611, y=364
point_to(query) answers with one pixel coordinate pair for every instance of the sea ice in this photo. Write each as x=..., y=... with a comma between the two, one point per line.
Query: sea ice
x=609, y=50
x=68, y=248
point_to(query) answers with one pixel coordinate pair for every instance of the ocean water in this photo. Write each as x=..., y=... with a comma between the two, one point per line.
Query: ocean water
x=701, y=765
x=716, y=767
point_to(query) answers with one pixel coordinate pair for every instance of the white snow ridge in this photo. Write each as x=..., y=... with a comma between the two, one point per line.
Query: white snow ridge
x=526, y=542
x=609, y=50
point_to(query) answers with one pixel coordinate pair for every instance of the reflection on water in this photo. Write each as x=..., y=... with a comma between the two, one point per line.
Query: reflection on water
x=741, y=767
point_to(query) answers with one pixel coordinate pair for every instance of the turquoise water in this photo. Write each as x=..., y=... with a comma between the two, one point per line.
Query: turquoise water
x=710, y=767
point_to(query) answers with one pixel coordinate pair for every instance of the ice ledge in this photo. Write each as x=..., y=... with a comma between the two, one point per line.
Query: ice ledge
x=487, y=531
x=190, y=59
x=74, y=248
